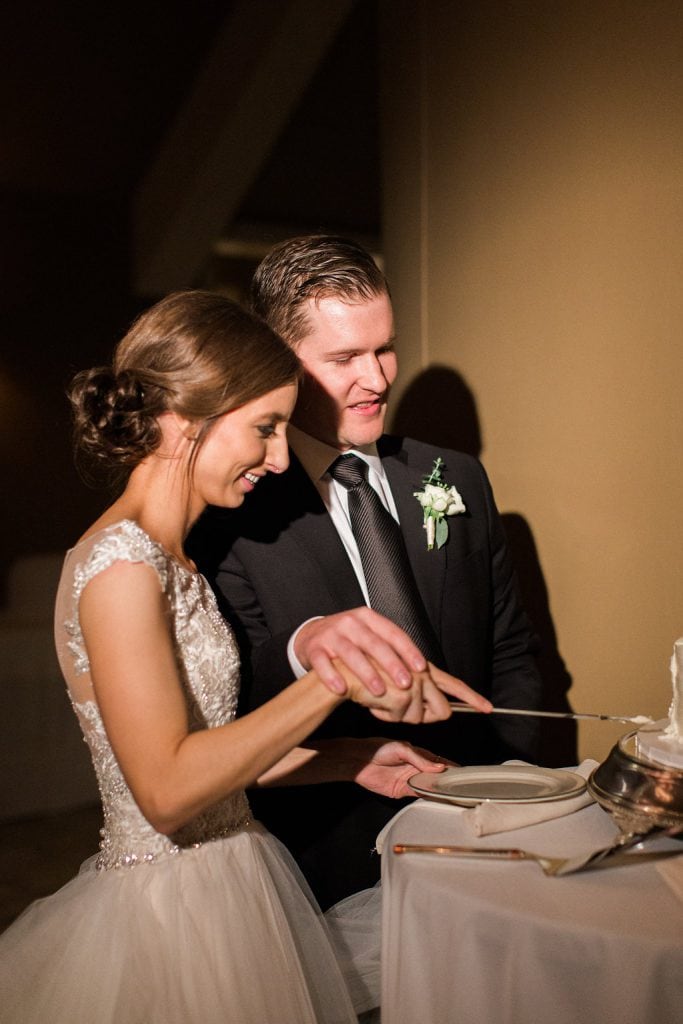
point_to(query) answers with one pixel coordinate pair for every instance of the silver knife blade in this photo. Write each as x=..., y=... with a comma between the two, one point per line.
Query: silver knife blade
x=631, y=719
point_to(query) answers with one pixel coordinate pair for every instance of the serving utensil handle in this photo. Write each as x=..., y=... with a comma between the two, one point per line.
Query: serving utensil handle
x=462, y=851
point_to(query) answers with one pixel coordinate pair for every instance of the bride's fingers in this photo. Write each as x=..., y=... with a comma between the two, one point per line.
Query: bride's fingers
x=406, y=705
x=435, y=705
x=425, y=700
x=391, y=706
x=424, y=703
x=394, y=704
x=383, y=715
x=456, y=688
x=414, y=712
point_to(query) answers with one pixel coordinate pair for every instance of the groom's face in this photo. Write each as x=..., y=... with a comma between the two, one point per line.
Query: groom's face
x=350, y=364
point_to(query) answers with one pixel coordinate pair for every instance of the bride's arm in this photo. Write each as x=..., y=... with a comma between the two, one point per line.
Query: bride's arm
x=173, y=773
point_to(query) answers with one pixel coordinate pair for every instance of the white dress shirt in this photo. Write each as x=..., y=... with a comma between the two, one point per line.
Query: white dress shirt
x=316, y=457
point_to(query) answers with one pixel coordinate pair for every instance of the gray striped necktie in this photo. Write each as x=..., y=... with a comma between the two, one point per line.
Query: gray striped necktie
x=391, y=585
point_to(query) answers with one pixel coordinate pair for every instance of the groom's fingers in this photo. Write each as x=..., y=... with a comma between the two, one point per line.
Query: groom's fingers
x=456, y=688
x=354, y=661
x=321, y=640
x=365, y=641
x=329, y=676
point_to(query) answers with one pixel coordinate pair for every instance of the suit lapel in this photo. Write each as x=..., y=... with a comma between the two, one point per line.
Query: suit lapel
x=312, y=529
x=429, y=567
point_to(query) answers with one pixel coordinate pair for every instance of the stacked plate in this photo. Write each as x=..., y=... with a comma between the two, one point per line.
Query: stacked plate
x=499, y=783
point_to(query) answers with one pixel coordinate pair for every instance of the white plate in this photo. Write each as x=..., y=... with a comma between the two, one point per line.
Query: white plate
x=498, y=783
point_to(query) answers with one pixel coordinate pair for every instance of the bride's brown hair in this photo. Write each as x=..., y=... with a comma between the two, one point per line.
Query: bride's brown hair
x=195, y=353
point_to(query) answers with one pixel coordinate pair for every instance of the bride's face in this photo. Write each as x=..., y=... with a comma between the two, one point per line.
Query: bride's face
x=241, y=447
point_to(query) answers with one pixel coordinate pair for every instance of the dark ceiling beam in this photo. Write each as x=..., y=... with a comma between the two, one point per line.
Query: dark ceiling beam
x=262, y=60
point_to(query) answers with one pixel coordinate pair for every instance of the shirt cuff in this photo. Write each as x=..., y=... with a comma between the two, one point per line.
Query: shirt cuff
x=294, y=663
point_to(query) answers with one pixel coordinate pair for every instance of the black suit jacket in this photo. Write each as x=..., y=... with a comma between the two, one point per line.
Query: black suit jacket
x=278, y=561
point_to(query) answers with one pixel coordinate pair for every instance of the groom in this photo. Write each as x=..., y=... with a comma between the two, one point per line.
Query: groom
x=298, y=565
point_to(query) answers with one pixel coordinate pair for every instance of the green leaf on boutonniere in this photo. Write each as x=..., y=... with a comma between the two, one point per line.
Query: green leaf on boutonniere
x=441, y=532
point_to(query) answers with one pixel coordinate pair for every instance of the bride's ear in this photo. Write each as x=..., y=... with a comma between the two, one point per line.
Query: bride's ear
x=176, y=428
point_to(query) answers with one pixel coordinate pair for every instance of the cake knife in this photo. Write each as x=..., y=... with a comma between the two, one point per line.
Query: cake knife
x=632, y=719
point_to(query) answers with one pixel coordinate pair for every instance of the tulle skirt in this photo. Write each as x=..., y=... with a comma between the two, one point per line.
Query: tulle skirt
x=227, y=932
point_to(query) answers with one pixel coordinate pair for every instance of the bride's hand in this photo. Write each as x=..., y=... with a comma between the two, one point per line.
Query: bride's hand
x=423, y=701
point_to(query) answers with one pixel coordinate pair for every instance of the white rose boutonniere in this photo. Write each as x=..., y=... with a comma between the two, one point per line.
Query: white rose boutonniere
x=438, y=500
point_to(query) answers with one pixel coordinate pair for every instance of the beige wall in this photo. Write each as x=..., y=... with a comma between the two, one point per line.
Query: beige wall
x=534, y=242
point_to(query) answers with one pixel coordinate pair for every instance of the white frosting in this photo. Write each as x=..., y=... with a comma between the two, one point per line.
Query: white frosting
x=675, y=726
x=663, y=742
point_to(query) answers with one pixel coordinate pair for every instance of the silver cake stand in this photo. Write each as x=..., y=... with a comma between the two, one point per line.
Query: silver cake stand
x=639, y=793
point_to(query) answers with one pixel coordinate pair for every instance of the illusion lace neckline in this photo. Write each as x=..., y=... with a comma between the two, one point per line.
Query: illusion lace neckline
x=131, y=524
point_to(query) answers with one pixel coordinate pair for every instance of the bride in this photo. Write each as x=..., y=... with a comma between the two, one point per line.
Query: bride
x=191, y=911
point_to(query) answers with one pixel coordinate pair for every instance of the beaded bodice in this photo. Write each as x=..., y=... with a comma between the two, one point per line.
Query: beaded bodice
x=208, y=667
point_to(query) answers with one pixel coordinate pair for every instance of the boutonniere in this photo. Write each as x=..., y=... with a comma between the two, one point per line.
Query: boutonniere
x=438, y=500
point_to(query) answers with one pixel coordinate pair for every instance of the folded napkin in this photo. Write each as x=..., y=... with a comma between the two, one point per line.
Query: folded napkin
x=487, y=818
x=672, y=873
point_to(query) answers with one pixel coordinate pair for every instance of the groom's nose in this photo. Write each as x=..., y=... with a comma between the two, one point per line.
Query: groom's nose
x=371, y=375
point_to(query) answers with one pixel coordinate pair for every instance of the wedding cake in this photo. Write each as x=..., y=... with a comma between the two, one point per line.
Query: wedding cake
x=662, y=742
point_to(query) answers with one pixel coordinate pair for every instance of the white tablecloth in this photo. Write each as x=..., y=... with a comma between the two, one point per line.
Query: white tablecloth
x=497, y=942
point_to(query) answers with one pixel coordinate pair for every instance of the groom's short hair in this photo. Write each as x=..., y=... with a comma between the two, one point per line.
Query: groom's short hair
x=312, y=267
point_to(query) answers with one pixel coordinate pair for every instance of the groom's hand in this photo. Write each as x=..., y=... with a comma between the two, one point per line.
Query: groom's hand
x=386, y=766
x=365, y=641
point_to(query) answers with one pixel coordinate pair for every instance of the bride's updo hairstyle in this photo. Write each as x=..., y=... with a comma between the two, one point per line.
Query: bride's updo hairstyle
x=194, y=353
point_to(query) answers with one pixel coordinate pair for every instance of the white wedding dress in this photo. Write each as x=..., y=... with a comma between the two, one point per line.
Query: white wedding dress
x=212, y=925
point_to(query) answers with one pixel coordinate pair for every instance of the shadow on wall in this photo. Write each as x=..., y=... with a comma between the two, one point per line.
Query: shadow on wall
x=440, y=387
